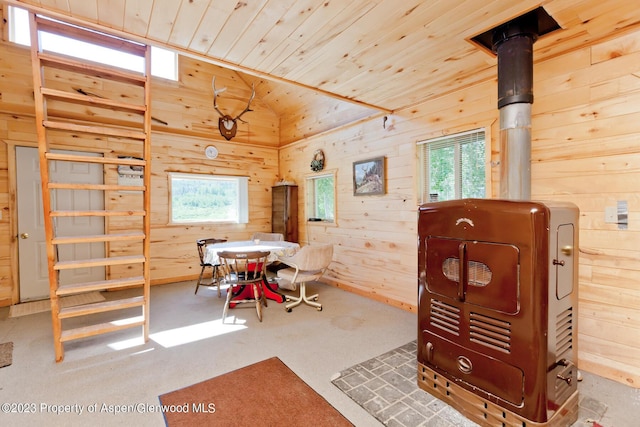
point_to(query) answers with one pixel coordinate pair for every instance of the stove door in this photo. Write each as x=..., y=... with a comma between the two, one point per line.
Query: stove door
x=480, y=273
x=475, y=371
x=564, y=260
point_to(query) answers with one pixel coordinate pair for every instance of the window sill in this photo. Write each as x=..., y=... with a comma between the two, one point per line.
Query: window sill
x=324, y=223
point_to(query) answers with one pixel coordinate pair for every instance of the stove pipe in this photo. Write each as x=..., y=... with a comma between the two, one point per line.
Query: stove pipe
x=513, y=44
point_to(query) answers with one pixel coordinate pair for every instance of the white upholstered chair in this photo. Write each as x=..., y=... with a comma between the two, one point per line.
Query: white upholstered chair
x=308, y=264
x=268, y=236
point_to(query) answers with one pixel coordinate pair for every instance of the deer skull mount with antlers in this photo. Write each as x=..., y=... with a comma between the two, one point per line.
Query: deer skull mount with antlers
x=228, y=125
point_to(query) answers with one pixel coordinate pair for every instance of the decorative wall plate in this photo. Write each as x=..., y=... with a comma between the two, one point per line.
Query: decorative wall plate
x=317, y=164
x=211, y=152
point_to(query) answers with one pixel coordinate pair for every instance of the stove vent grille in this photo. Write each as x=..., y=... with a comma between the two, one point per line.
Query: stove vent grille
x=564, y=333
x=446, y=317
x=490, y=332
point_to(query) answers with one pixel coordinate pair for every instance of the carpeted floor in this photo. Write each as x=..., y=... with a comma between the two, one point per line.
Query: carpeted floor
x=40, y=306
x=6, y=354
x=386, y=387
x=266, y=393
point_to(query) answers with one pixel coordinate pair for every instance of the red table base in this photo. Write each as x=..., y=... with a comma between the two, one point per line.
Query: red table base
x=246, y=292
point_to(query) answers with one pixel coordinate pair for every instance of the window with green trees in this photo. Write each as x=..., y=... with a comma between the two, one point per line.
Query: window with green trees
x=208, y=198
x=453, y=167
x=321, y=197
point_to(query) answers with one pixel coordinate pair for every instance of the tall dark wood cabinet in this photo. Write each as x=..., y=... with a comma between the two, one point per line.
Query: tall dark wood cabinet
x=284, y=211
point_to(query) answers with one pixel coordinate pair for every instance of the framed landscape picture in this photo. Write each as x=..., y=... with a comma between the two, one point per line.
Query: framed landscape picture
x=368, y=177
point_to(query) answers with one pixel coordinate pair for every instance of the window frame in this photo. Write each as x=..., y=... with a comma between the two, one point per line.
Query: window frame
x=242, y=200
x=458, y=139
x=310, y=199
x=14, y=13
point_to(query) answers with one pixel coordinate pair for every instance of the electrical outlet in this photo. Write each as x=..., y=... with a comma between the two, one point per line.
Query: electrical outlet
x=611, y=214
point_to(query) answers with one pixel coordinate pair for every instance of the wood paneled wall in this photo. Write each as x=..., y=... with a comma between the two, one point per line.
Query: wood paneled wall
x=178, y=146
x=586, y=124
x=585, y=150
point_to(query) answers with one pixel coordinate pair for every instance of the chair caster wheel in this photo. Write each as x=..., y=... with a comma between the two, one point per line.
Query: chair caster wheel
x=319, y=308
x=288, y=310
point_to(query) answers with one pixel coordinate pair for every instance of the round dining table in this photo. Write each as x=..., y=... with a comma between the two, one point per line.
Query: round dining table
x=276, y=249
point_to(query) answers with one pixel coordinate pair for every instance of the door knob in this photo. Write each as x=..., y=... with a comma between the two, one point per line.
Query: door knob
x=24, y=235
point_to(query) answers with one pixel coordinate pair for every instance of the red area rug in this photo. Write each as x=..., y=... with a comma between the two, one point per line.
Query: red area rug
x=266, y=393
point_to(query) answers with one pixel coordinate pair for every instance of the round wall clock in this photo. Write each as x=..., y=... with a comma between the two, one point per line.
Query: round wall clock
x=211, y=152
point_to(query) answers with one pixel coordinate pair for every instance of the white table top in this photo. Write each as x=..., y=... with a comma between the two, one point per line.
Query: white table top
x=276, y=249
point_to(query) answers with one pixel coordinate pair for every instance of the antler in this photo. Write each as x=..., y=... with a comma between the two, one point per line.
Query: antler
x=253, y=94
x=215, y=95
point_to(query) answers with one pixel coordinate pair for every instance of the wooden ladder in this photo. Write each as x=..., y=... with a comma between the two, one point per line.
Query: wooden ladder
x=64, y=115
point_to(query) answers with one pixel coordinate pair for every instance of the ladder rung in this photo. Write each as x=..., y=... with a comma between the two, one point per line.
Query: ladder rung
x=95, y=213
x=101, y=328
x=97, y=262
x=95, y=100
x=116, y=237
x=100, y=307
x=98, y=130
x=100, y=187
x=90, y=68
x=93, y=159
x=99, y=285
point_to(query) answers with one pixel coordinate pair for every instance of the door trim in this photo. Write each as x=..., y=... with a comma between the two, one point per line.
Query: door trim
x=13, y=212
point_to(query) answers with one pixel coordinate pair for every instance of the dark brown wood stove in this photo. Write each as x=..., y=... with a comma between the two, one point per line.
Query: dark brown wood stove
x=497, y=309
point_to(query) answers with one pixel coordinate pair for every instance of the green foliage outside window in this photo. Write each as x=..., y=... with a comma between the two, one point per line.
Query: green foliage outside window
x=455, y=167
x=320, y=197
x=325, y=197
x=206, y=198
x=441, y=173
x=473, y=169
x=197, y=200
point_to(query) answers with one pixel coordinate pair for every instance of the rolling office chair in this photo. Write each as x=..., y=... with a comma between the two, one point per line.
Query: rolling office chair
x=308, y=264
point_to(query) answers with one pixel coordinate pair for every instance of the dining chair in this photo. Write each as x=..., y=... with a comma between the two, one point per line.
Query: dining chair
x=308, y=264
x=279, y=237
x=215, y=273
x=245, y=273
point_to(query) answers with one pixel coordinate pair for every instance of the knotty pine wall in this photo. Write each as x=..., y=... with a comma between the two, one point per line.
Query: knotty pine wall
x=586, y=127
x=585, y=150
x=186, y=106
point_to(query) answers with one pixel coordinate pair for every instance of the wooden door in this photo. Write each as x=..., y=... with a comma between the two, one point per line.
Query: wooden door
x=32, y=253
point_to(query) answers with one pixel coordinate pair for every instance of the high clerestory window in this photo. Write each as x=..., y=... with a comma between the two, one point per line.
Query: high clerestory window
x=164, y=63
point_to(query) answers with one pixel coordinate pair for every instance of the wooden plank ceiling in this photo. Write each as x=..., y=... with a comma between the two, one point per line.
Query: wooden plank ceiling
x=384, y=55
